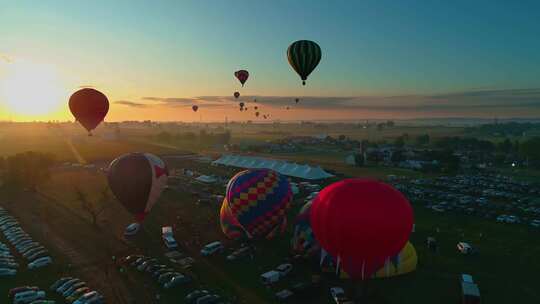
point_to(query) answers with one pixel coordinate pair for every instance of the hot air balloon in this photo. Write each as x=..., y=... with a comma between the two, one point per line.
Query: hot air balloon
x=89, y=106
x=258, y=199
x=288, y=108
x=236, y=94
x=297, y=100
x=257, y=114
x=195, y=108
x=256, y=108
x=241, y=104
x=229, y=224
x=303, y=241
x=254, y=100
x=242, y=76
x=137, y=179
x=362, y=223
x=304, y=56
x=264, y=116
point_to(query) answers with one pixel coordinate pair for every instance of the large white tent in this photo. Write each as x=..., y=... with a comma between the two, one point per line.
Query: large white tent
x=283, y=167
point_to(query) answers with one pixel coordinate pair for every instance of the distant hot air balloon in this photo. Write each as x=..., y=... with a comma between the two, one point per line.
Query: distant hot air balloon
x=257, y=114
x=137, y=180
x=242, y=76
x=89, y=106
x=297, y=100
x=288, y=108
x=362, y=223
x=195, y=108
x=304, y=56
x=236, y=94
x=256, y=108
x=258, y=199
x=254, y=100
x=241, y=104
x=264, y=116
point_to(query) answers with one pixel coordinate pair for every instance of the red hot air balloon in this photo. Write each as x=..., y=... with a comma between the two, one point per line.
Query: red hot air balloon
x=256, y=108
x=242, y=76
x=236, y=94
x=297, y=100
x=257, y=114
x=137, y=180
x=362, y=223
x=89, y=106
x=195, y=108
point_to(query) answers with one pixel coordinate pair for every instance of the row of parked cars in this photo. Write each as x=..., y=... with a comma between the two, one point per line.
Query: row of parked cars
x=32, y=251
x=164, y=275
x=75, y=291
x=28, y=294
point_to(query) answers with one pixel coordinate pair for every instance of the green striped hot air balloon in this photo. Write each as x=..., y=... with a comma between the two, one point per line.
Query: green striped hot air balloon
x=304, y=56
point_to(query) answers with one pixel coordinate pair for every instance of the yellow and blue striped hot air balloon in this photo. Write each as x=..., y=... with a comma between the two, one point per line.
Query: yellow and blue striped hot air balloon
x=258, y=200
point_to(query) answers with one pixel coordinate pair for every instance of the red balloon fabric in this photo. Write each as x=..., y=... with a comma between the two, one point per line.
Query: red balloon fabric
x=242, y=76
x=89, y=106
x=236, y=94
x=361, y=223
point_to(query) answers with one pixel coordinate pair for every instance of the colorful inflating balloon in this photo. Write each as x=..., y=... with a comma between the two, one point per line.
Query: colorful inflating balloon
x=89, y=106
x=229, y=224
x=236, y=94
x=242, y=76
x=362, y=223
x=304, y=56
x=258, y=199
x=137, y=180
x=195, y=108
x=303, y=241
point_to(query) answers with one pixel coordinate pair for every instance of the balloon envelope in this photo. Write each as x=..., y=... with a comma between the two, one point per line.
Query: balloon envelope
x=236, y=94
x=259, y=199
x=303, y=241
x=362, y=223
x=229, y=224
x=89, y=106
x=304, y=56
x=195, y=108
x=242, y=76
x=137, y=180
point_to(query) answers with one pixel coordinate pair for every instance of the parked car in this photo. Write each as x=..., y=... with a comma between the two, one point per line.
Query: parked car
x=132, y=229
x=166, y=277
x=238, y=253
x=28, y=296
x=284, y=269
x=284, y=295
x=270, y=277
x=147, y=264
x=59, y=282
x=464, y=248
x=72, y=288
x=7, y=272
x=40, y=262
x=87, y=297
x=161, y=271
x=339, y=296
x=212, y=248
x=37, y=255
x=194, y=295
x=63, y=287
x=13, y=291
x=177, y=280
x=208, y=299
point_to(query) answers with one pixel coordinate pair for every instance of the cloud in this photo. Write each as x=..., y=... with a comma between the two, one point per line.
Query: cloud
x=480, y=101
x=131, y=104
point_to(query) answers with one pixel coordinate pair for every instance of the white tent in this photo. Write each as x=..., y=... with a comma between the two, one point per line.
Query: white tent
x=283, y=167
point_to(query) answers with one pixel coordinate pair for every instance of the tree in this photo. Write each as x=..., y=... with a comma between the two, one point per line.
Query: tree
x=399, y=142
x=93, y=208
x=422, y=139
x=28, y=169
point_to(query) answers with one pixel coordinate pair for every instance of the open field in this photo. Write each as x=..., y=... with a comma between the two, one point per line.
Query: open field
x=505, y=267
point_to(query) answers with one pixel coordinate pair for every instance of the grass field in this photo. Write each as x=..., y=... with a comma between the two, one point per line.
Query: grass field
x=505, y=268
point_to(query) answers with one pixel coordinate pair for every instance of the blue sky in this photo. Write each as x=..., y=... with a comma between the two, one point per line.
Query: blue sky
x=183, y=49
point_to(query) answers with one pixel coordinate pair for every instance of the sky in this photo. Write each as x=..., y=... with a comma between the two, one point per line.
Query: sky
x=381, y=59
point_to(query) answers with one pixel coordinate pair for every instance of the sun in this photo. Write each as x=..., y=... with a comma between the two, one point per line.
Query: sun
x=31, y=90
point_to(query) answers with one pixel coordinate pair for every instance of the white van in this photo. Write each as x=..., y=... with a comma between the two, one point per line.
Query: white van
x=28, y=296
x=212, y=248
